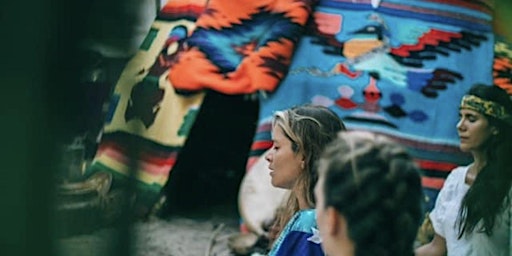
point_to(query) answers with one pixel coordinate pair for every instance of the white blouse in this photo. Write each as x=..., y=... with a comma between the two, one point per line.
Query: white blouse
x=444, y=220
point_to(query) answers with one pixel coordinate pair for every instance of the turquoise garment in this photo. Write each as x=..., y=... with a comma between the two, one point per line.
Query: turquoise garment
x=299, y=237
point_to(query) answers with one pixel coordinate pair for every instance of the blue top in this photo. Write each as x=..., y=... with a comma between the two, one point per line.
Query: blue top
x=299, y=237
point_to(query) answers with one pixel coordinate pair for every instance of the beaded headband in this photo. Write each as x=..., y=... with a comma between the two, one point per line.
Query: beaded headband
x=486, y=107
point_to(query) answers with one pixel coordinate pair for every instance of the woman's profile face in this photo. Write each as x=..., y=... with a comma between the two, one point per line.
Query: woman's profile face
x=473, y=129
x=284, y=164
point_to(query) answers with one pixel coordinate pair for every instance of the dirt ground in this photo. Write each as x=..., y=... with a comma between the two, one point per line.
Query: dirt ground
x=186, y=234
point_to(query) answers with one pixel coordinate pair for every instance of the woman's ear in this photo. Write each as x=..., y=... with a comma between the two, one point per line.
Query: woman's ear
x=337, y=225
x=302, y=160
x=335, y=222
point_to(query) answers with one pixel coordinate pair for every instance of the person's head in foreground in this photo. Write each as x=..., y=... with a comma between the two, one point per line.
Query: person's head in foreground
x=299, y=135
x=369, y=196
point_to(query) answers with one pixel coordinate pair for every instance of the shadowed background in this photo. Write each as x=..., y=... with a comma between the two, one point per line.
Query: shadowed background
x=39, y=111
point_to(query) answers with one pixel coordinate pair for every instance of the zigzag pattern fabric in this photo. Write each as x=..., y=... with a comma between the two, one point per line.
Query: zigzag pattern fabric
x=398, y=68
x=241, y=47
x=394, y=67
x=192, y=46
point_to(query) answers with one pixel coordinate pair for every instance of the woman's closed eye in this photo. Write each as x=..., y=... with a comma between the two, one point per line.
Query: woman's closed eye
x=469, y=117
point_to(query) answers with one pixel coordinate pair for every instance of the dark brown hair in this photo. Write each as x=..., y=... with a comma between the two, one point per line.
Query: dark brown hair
x=488, y=195
x=374, y=183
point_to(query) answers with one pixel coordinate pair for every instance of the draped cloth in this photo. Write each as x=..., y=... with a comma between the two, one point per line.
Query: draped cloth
x=398, y=68
x=241, y=48
x=393, y=67
x=193, y=46
x=148, y=120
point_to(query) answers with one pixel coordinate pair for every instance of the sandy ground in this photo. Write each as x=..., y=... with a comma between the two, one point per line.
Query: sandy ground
x=184, y=234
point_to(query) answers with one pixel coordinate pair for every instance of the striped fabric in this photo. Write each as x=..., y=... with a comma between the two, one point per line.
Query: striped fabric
x=149, y=120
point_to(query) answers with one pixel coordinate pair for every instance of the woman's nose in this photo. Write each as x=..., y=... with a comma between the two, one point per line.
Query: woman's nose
x=460, y=124
x=268, y=156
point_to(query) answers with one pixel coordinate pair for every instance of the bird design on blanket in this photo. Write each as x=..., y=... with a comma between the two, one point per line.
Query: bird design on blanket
x=397, y=57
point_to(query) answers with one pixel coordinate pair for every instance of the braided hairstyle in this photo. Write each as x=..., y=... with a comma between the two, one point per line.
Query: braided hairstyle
x=374, y=183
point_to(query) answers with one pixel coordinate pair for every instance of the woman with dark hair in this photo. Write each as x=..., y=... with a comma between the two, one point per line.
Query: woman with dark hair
x=472, y=211
x=369, y=197
x=299, y=135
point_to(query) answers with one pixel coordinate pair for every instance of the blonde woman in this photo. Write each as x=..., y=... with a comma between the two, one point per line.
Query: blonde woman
x=299, y=135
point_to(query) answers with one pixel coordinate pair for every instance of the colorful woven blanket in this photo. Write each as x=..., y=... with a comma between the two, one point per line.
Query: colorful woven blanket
x=241, y=47
x=149, y=120
x=232, y=48
x=393, y=67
